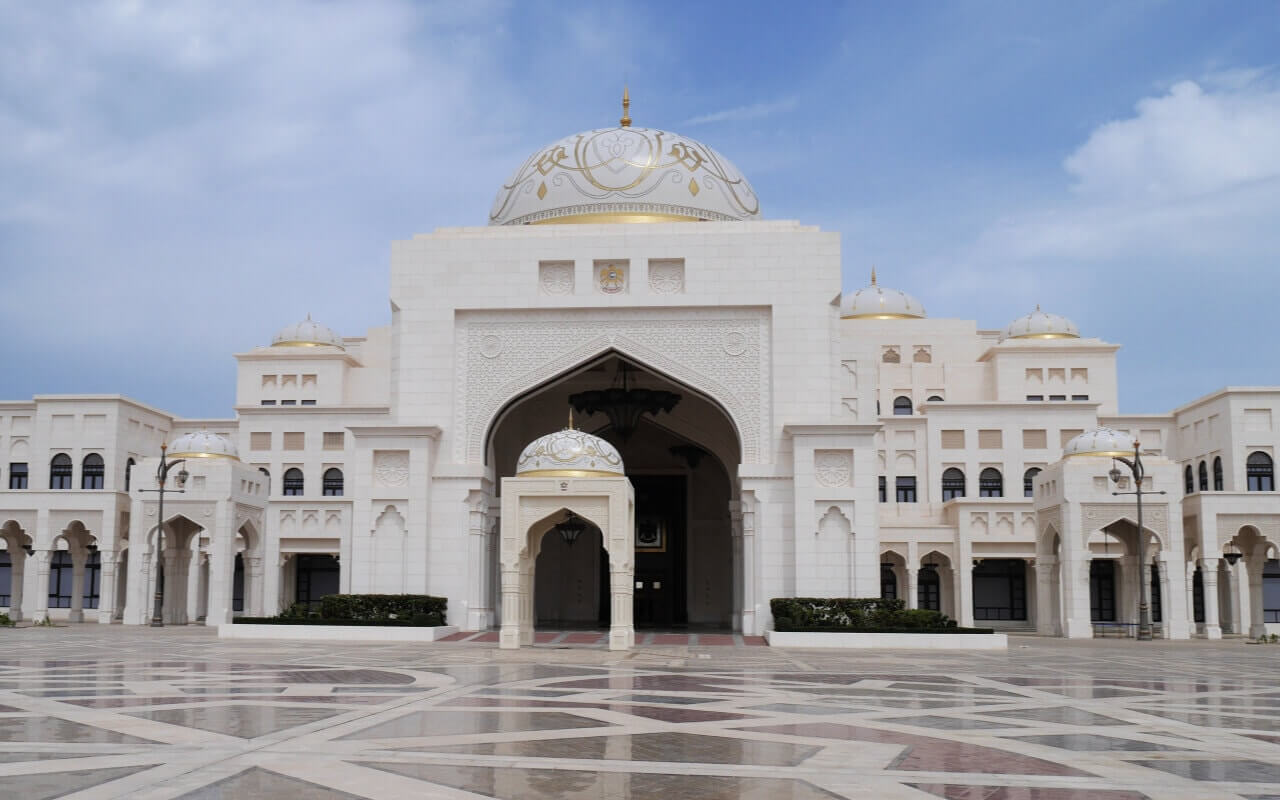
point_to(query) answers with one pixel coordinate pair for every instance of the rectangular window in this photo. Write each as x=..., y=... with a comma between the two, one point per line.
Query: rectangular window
x=1034, y=439
x=953, y=440
x=1035, y=398
x=288, y=402
x=268, y=402
x=260, y=440
x=1079, y=397
x=308, y=402
x=990, y=440
x=884, y=490
x=334, y=440
x=295, y=441
x=1067, y=434
x=906, y=489
x=1057, y=397
x=18, y=475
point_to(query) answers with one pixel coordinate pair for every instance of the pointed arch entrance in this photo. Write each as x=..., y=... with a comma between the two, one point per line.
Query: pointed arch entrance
x=683, y=465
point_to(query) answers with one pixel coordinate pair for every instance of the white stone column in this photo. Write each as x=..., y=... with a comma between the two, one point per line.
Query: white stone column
x=1076, y=622
x=17, y=578
x=78, y=558
x=41, y=587
x=509, y=634
x=479, y=614
x=1209, y=579
x=1229, y=610
x=912, y=586
x=1046, y=572
x=222, y=567
x=962, y=580
x=622, y=632
x=1257, y=613
x=1190, y=610
x=193, y=580
x=735, y=535
x=751, y=625
x=273, y=598
x=1172, y=598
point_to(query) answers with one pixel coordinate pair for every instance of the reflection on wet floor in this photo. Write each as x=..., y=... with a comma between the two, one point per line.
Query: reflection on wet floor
x=455, y=723
x=257, y=782
x=546, y=784
x=242, y=720
x=51, y=729
x=682, y=748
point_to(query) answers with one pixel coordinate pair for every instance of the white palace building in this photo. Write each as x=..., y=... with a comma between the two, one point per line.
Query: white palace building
x=744, y=427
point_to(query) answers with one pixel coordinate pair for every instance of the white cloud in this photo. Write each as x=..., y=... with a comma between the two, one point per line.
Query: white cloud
x=1185, y=143
x=743, y=113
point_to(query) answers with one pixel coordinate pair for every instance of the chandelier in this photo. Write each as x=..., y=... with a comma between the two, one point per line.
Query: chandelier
x=622, y=403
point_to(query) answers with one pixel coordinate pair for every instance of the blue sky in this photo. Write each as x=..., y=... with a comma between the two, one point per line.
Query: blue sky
x=179, y=180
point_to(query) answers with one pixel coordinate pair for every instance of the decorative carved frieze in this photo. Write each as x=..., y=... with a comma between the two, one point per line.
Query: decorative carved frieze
x=391, y=468
x=833, y=468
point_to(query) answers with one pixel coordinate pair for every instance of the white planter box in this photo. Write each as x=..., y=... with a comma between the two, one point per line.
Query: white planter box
x=346, y=633
x=889, y=641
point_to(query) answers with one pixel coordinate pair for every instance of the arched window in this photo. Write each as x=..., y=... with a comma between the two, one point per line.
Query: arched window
x=1260, y=470
x=128, y=472
x=60, y=472
x=61, y=580
x=933, y=398
x=332, y=486
x=902, y=406
x=952, y=484
x=91, y=471
x=991, y=483
x=267, y=476
x=1204, y=477
x=293, y=482
x=888, y=582
x=1188, y=480
x=1029, y=482
x=1217, y=473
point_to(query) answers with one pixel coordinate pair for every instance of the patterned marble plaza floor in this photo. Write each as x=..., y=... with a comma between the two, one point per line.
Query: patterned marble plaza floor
x=89, y=712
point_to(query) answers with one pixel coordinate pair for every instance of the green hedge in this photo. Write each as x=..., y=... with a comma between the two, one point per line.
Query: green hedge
x=860, y=615
x=416, y=610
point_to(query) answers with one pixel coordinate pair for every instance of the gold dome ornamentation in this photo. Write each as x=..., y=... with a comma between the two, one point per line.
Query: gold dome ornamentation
x=624, y=174
x=569, y=454
x=877, y=302
x=203, y=444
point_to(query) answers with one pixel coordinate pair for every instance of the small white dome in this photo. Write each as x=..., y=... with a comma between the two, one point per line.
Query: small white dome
x=877, y=302
x=624, y=174
x=1041, y=325
x=203, y=444
x=307, y=333
x=569, y=453
x=1100, y=442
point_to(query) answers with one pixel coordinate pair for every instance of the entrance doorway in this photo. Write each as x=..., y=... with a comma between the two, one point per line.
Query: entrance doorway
x=1102, y=590
x=682, y=466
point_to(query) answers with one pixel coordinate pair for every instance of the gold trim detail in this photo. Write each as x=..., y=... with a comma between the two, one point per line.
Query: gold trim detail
x=569, y=473
x=1045, y=336
x=306, y=344
x=203, y=455
x=1101, y=453
x=881, y=316
x=626, y=109
x=615, y=218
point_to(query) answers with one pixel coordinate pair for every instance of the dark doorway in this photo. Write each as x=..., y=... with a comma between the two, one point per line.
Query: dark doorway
x=1000, y=589
x=1102, y=590
x=888, y=582
x=237, y=585
x=929, y=589
x=317, y=577
x=1197, y=596
x=660, y=574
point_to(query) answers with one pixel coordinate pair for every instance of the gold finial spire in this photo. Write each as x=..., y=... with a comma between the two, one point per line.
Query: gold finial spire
x=570, y=417
x=873, y=276
x=1037, y=306
x=626, y=109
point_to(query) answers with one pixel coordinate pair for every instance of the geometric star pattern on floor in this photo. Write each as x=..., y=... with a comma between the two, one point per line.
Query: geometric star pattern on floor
x=114, y=712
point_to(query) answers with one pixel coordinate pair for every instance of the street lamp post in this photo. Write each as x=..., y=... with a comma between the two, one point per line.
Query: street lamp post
x=162, y=475
x=1144, y=587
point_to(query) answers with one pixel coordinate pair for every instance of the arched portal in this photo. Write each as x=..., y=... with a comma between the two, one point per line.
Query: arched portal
x=683, y=466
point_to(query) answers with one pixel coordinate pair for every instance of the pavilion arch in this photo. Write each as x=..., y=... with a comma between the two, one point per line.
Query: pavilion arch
x=1095, y=535
x=479, y=447
x=895, y=563
x=531, y=509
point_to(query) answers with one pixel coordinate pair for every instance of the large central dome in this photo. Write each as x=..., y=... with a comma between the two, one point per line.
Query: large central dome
x=624, y=174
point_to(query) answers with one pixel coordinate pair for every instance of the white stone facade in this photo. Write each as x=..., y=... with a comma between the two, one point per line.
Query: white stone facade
x=808, y=456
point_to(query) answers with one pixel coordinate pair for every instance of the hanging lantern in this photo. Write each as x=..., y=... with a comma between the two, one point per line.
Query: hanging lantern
x=622, y=403
x=571, y=528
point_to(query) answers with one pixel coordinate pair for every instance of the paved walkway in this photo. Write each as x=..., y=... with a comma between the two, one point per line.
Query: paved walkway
x=88, y=712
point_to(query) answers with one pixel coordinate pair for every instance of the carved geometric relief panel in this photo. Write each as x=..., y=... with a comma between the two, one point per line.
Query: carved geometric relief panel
x=833, y=467
x=688, y=345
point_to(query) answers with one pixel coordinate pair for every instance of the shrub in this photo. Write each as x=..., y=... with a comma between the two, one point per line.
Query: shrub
x=5, y=622
x=868, y=614
x=421, y=609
